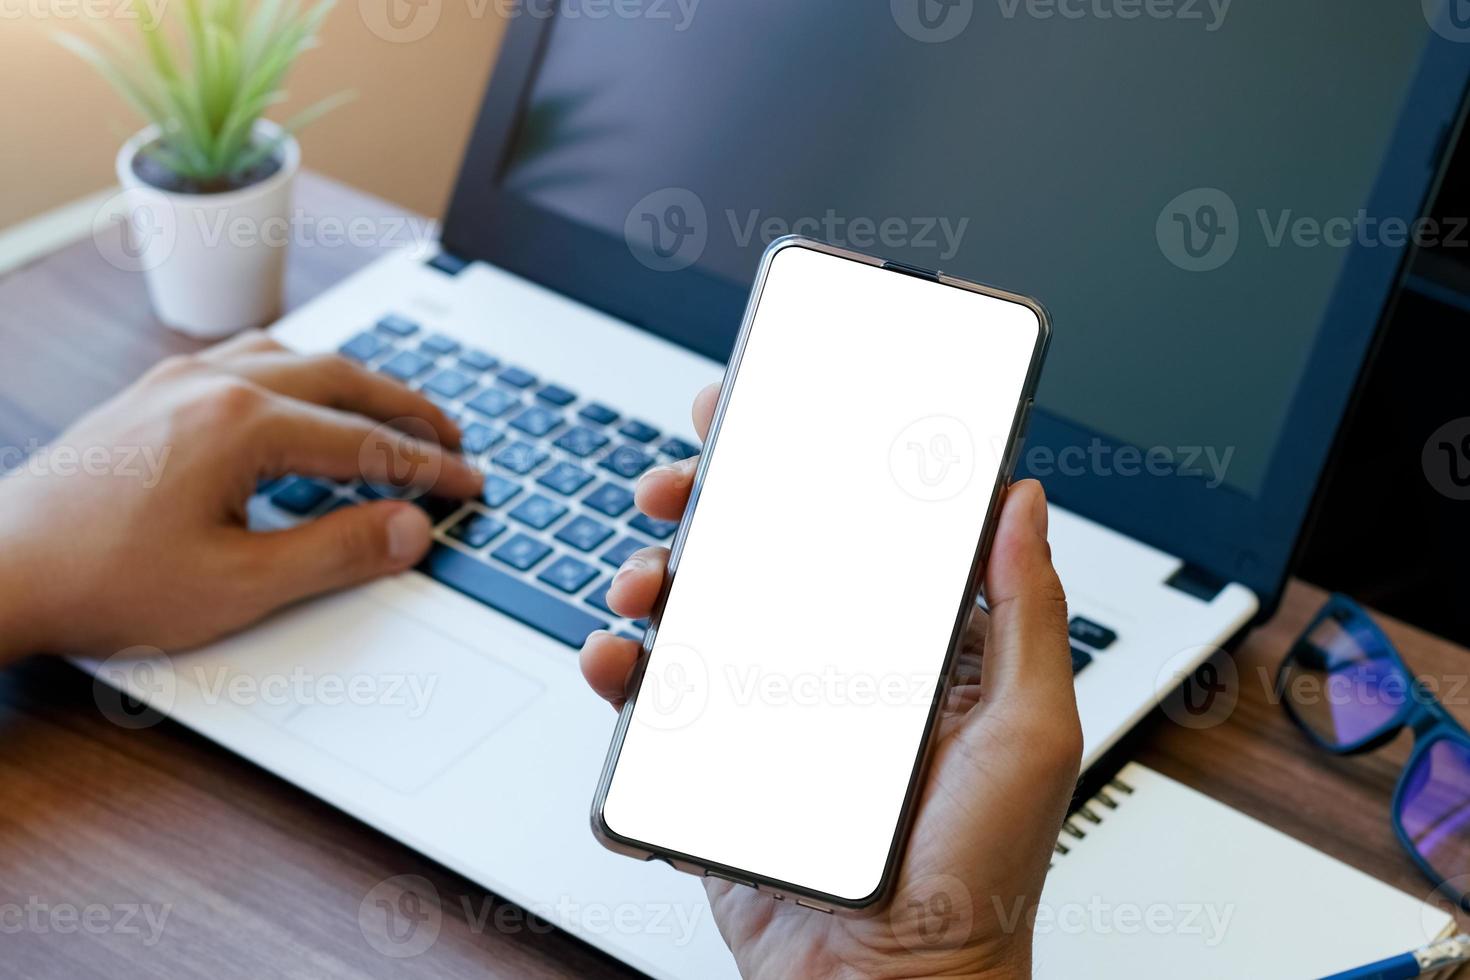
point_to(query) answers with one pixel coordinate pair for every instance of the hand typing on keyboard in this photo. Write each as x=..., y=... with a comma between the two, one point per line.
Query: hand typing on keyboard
x=996, y=791
x=130, y=528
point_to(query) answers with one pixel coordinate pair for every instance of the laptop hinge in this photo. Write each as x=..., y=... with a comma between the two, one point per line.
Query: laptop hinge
x=447, y=263
x=1198, y=582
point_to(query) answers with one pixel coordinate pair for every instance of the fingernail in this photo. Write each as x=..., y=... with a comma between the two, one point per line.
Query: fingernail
x=1039, y=515
x=408, y=534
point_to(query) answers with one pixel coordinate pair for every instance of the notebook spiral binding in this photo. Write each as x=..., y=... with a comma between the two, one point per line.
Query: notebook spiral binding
x=1089, y=812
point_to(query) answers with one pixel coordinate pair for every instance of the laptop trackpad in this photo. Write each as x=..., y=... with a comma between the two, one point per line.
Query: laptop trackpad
x=381, y=690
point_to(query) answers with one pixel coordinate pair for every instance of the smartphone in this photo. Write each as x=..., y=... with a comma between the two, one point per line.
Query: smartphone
x=790, y=682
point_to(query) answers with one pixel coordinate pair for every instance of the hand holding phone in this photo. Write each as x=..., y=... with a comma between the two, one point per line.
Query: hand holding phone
x=1002, y=769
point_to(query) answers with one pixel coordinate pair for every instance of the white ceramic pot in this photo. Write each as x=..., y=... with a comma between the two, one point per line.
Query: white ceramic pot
x=215, y=263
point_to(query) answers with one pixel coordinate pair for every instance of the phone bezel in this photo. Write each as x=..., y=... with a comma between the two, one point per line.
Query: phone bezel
x=777, y=888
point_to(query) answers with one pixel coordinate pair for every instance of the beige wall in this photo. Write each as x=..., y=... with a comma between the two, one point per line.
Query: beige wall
x=60, y=125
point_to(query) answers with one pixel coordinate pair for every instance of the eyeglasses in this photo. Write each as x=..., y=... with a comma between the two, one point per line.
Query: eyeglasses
x=1347, y=687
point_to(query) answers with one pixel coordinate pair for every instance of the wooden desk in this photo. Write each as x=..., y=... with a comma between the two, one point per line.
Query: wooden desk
x=262, y=880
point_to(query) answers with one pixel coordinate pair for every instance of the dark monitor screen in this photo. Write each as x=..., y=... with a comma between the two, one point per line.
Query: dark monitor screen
x=1178, y=181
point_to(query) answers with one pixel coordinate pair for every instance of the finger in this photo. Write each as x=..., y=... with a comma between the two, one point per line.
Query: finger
x=344, y=548
x=663, y=492
x=249, y=342
x=311, y=441
x=607, y=662
x=634, y=588
x=336, y=382
x=1027, y=664
x=704, y=410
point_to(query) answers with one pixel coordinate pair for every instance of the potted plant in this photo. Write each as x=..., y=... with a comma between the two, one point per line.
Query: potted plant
x=207, y=184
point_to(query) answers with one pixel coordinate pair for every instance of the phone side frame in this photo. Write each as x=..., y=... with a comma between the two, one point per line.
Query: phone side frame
x=1020, y=418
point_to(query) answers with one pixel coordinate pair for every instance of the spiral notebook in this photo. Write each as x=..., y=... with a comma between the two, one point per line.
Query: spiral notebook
x=1153, y=879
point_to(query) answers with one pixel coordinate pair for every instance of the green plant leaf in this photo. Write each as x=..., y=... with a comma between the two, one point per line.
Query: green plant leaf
x=292, y=126
x=206, y=93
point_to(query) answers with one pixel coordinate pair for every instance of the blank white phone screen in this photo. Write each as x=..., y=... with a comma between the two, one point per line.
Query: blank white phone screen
x=800, y=650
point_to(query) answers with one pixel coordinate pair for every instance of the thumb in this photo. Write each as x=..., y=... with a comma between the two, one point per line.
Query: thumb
x=344, y=548
x=1027, y=667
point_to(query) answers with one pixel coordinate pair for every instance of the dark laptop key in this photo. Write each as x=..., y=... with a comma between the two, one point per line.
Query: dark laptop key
x=398, y=326
x=581, y=441
x=1090, y=633
x=477, y=530
x=267, y=487
x=583, y=533
x=477, y=438
x=627, y=461
x=406, y=365
x=364, y=347
x=477, y=361
x=638, y=431
x=618, y=553
x=450, y=383
x=521, y=552
x=538, y=511
x=1080, y=659
x=678, y=449
x=520, y=457
x=635, y=637
x=565, y=478
x=378, y=491
x=517, y=377
x=557, y=395
x=609, y=499
x=498, y=490
x=301, y=496
x=598, y=414
x=438, y=345
x=493, y=402
x=654, y=528
x=598, y=597
x=536, y=421
x=438, y=508
x=520, y=600
x=568, y=574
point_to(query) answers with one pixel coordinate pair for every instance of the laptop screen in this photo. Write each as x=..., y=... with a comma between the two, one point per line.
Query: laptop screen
x=1179, y=181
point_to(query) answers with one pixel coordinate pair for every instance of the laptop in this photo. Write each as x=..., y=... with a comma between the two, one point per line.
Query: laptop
x=1149, y=179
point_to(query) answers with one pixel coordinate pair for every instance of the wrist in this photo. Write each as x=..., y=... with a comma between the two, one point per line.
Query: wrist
x=23, y=590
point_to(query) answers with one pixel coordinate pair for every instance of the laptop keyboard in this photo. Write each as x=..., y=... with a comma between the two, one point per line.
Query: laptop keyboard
x=556, y=517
